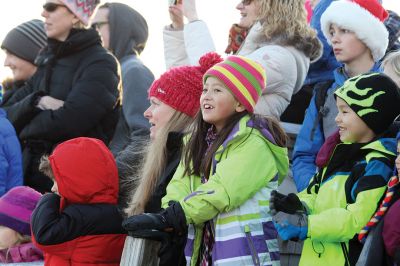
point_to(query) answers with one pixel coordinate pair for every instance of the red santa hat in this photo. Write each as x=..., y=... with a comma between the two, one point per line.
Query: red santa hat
x=363, y=17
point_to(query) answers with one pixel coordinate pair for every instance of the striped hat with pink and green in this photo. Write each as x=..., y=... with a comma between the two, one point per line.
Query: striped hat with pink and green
x=244, y=77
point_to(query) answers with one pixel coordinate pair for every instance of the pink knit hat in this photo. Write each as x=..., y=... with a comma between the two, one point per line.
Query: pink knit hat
x=83, y=9
x=245, y=78
x=181, y=87
x=16, y=207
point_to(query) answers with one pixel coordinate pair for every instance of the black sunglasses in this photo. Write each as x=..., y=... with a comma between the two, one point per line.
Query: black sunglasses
x=51, y=7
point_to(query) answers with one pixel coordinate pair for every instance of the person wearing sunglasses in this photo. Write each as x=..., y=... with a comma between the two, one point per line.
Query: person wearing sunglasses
x=125, y=32
x=74, y=92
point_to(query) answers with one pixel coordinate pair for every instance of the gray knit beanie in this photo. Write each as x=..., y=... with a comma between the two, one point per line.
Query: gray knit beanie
x=26, y=40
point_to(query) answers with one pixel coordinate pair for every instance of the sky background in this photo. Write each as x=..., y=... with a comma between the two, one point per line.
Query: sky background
x=219, y=15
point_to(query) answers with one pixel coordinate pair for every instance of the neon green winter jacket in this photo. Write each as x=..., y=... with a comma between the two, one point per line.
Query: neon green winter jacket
x=247, y=166
x=342, y=198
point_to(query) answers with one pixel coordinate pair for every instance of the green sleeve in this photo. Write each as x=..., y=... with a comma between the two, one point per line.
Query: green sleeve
x=341, y=224
x=242, y=171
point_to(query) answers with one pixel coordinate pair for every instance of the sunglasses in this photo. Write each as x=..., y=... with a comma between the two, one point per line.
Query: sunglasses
x=246, y=2
x=51, y=7
x=97, y=25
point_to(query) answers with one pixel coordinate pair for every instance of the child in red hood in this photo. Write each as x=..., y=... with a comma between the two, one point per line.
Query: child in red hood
x=79, y=224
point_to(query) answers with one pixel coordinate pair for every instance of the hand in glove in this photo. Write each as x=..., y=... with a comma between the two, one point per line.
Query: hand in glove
x=285, y=203
x=172, y=219
x=291, y=226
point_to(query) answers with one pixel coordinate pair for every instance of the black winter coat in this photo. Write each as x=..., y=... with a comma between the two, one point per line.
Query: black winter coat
x=80, y=72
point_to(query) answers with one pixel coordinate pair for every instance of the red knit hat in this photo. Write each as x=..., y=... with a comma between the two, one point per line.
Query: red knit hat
x=181, y=87
x=83, y=9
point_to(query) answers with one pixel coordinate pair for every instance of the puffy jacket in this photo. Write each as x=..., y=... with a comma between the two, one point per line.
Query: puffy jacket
x=286, y=66
x=313, y=132
x=342, y=197
x=247, y=166
x=82, y=226
x=80, y=72
x=10, y=156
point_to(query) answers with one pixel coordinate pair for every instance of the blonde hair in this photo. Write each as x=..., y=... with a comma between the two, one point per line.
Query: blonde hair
x=285, y=22
x=21, y=239
x=154, y=163
x=393, y=60
x=45, y=167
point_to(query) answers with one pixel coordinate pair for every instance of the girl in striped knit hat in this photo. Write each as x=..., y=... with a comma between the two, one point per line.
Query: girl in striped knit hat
x=231, y=162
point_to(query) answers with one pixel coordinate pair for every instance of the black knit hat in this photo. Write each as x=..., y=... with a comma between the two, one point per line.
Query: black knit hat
x=26, y=40
x=374, y=97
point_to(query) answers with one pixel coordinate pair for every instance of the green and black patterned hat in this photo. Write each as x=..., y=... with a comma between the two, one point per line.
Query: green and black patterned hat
x=374, y=97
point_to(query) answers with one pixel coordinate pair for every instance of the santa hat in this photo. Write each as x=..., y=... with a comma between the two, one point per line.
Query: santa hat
x=363, y=17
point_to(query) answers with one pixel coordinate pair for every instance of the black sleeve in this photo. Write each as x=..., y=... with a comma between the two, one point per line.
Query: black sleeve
x=50, y=226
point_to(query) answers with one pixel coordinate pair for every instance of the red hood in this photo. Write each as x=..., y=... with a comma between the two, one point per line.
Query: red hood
x=85, y=171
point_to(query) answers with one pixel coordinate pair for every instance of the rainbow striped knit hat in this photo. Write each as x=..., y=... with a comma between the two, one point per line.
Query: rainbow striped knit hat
x=244, y=77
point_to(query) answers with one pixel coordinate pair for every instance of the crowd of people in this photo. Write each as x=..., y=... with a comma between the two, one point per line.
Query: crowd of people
x=96, y=151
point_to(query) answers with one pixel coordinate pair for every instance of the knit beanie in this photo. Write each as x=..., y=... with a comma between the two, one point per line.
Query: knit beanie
x=374, y=97
x=26, y=40
x=244, y=77
x=363, y=17
x=181, y=87
x=16, y=207
x=83, y=9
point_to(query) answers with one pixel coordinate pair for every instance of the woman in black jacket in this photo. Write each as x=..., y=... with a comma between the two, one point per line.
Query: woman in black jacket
x=75, y=91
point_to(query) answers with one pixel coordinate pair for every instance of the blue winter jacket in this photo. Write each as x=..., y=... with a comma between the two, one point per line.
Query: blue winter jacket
x=10, y=156
x=322, y=69
x=306, y=149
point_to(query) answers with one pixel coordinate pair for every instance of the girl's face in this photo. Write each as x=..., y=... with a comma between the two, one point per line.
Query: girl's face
x=388, y=70
x=100, y=22
x=346, y=46
x=22, y=70
x=54, y=188
x=217, y=103
x=158, y=115
x=8, y=237
x=351, y=127
x=249, y=11
x=397, y=162
x=58, y=20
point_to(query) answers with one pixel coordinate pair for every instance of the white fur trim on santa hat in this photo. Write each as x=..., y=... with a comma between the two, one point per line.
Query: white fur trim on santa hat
x=351, y=16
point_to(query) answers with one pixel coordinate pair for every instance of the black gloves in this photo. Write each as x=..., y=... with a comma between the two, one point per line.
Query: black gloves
x=172, y=219
x=290, y=204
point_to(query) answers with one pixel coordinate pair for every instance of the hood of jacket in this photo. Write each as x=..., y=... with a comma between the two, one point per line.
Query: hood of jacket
x=85, y=172
x=247, y=126
x=128, y=30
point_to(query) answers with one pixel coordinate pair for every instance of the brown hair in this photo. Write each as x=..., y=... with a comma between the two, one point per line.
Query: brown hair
x=45, y=167
x=285, y=22
x=198, y=162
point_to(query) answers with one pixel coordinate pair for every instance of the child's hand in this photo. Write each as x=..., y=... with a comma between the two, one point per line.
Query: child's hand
x=285, y=203
x=291, y=226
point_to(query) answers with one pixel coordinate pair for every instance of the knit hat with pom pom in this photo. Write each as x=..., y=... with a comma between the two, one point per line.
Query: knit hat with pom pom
x=181, y=87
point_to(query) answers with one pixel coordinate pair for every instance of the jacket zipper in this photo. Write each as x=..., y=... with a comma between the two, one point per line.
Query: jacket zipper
x=345, y=253
x=254, y=254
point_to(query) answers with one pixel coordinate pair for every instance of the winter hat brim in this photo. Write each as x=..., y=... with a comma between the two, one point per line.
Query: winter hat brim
x=351, y=16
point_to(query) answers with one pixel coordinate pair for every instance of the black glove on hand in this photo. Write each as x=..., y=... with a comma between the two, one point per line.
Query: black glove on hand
x=285, y=203
x=172, y=219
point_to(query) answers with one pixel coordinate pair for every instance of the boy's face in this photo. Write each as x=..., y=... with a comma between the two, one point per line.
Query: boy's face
x=54, y=188
x=398, y=159
x=346, y=46
x=351, y=127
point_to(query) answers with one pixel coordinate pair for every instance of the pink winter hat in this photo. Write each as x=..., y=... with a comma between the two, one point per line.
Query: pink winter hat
x=16, y=207
x=83, y=9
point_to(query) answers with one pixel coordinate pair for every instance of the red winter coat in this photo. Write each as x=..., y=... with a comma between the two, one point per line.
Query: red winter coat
x=82, y=226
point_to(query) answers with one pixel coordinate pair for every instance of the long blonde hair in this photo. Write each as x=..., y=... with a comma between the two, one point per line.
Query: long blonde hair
x=154, y=163
x=285, y=22
x=393, y=60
